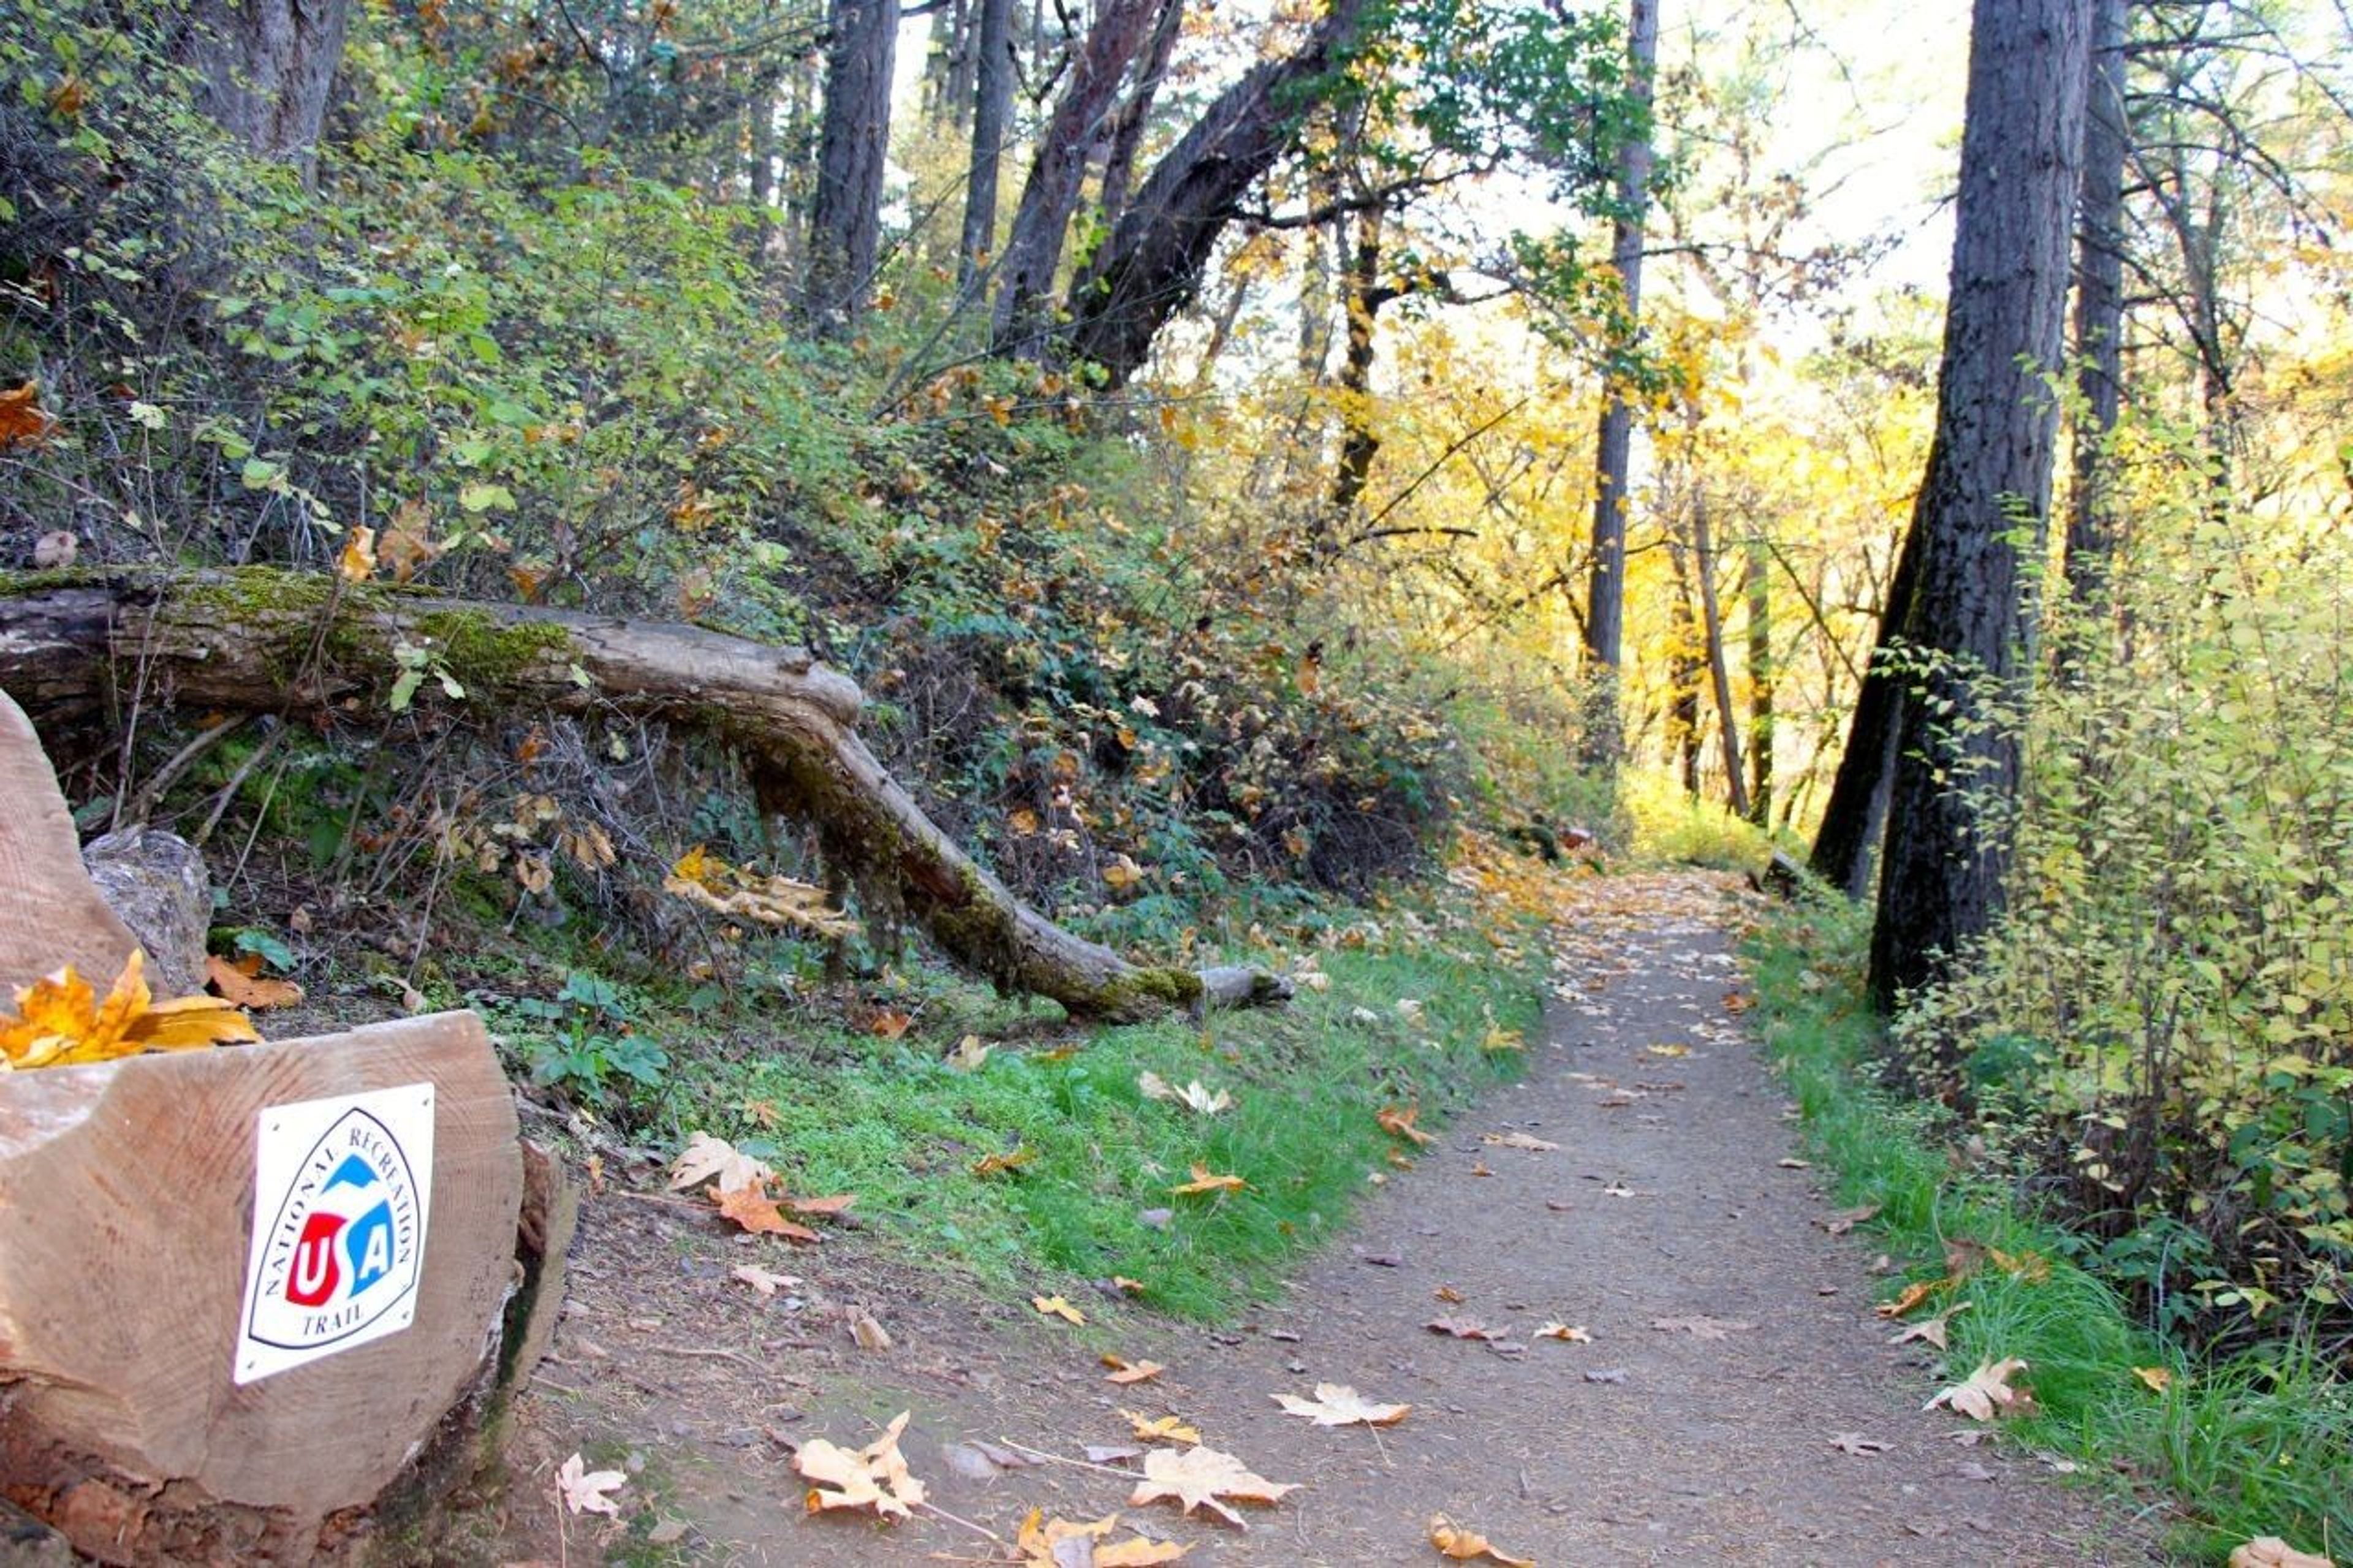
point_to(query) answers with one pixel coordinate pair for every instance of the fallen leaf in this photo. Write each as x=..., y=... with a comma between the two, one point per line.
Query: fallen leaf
x=1121, y=1282
x=874, y=1476
x=1795, y=1164
x=1064, y=1544
x=60, y=1021
x=1855, y=1443
x=709, y=1159
x=1337, y=1404
x=1668, y=1050
x=2271, y=1552
x=1204, y=1478
x=702, y=878
x=889, y=1024
x=760, y=1279
x=1203, y=1181
x=1448, y=1294
x=357, y=562
x=1461, y=1328
x=1399, y=1121
x=837, y=1204
x=1912, y=1296
x=1121, y=873
x=584, y=1491
x=1161, y=1428
x=969, y=1054
x=1517, y=1140
x=1701, y=1326
x=868, y=1330
x=23, y=421
x=1193, y=1096
x=2159, y=1378
x=994, y=1164
x=1988, y=1393
x=1564, y=1332
x=1123, y=1370
x=1056, y=1306
x=2030, y=1266
x=54, y=551
x=241, y=986
x=1452, y=1540
x=1846, y=1220
x=1929, y=1330
x=1112, y=1452
x=750, y=1206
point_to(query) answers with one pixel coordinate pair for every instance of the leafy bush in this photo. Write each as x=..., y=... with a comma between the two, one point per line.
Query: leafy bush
x=2162, y=1025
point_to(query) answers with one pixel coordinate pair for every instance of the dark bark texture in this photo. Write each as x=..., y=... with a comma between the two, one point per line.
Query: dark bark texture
x=1605, y=594
x=265, y=639
x=1846, y=844
x=267, y=67
x=2099, y=309
x=1151, y=265
x=1989, y=474
x=992, y=110
x=853, y=140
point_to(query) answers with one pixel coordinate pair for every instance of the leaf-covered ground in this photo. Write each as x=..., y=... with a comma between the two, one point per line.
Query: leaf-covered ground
x=1627, y=1328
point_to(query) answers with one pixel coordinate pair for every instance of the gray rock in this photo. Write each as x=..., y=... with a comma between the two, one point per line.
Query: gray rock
x=156, y=883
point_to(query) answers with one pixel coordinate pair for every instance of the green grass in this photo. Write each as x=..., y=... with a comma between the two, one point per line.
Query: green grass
x=2260, y=1444
x=894, y=1122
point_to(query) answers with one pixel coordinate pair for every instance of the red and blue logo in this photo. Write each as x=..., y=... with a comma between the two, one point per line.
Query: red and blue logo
x=342, y=1254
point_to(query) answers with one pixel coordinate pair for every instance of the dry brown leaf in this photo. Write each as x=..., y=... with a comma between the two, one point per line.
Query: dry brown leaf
x=2271, y=1552
x=707, y=1158
x=2159, y=1378
x=1161, y=1428
x=1056, y=1306
x=1668, y=1050
x=1448, y=1294
x=1125, y=1372
x=584, y=1491
x=1204, y=1181
x=1461, y=1328
x=1122, y=1283
x=241, y=986
x=839, y=1203
x=868, y=1330
x=1855, y=1443
x=1988, y=1393
x=1930, y=1331
x=23, y=421
x=750, y=1206
x=1337, y=1404
x=969, y=1054
x=761, y=1279
x=996, y=1165
x=1517, y=1140
x=889, y=1024
x=2030, y=1266
x=874, y=1476
x=1204, y=1478
x=1846, y=1220
x=1452, y=1540
x=1399, y=1121
x=1701, y=1326
x=1564, y=1332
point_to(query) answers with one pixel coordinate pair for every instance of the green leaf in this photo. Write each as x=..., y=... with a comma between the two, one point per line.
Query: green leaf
x=482, y=496
x=404, y=690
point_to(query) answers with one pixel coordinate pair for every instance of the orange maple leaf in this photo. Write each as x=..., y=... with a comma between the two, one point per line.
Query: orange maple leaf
x=60, y=1022
x=750, y=1206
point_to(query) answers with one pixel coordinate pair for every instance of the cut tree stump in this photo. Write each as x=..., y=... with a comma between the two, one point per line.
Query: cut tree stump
x=243, y=1291
x=127, y=1207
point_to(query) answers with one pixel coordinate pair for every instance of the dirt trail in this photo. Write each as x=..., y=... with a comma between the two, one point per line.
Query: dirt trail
x=1732, y=1346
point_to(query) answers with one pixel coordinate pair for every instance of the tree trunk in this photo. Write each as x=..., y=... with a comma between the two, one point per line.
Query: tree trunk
x=1856, y=817
x=246, y=639
x=846, y=217
x=1959, y=749
x=1710, y=621
x=1135, y=114
x=2099, y=319
x=1360, y=443
x=267, y=67
x=992, y=113
x=1605, y=614
x=1758, y=584
x=1050, y=197
x=1152, y=263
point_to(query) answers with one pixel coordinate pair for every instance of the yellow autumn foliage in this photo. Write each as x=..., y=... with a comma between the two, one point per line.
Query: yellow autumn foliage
x=60, y=1021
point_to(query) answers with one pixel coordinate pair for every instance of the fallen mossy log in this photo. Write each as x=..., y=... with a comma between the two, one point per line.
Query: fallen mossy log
x=278, y=639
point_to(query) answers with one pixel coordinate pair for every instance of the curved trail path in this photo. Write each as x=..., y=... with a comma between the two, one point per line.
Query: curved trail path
x=1737, y=1403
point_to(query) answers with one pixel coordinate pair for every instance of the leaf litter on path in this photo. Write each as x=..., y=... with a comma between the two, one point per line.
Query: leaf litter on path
x=1337, y=1404
x=1204, y=1478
